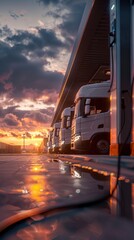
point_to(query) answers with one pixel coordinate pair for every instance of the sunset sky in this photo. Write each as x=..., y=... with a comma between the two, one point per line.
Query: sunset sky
x=36, y=40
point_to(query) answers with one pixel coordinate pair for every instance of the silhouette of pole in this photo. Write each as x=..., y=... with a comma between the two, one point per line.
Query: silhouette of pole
x=24, y=137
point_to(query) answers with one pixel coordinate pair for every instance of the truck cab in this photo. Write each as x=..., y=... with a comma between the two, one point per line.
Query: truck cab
x=91, y=123
x=55, y=137
x=65, y=130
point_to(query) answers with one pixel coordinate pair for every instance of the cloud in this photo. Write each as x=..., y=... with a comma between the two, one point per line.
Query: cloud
x=2, y=135
x=26, y=70
x=41, y=23
x=49, y=111
x=15, y=15
x=4, y=77
x=18, y=75
x=25, y=57
x=71, y=20
x=45, y=38
x=39, y=136
x=15, y=135
x=63, y=2
x=11, y=109
x=22, y=79
x=42, y=48
x=5, y=31
x=70, y=13
x=38, y=116
x=28, y=135
x=11, y=120
x=29, y=63
x=47, y=2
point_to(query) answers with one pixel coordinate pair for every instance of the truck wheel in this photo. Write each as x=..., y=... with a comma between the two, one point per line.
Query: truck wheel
x=101, y=146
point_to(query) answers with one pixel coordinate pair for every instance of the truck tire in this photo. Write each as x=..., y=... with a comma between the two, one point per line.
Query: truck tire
x=101, y=146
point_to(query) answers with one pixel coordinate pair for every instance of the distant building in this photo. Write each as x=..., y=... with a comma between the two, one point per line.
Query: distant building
x=8, y=148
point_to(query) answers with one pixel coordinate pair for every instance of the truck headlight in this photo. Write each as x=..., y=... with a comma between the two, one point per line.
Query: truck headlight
x=62, y=142
x=77, y=137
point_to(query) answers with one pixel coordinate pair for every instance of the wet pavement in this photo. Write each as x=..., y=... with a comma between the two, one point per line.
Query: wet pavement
x=31, y=181
x=35, y=181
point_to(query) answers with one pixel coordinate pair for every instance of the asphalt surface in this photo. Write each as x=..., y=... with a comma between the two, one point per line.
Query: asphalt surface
x=30, y=181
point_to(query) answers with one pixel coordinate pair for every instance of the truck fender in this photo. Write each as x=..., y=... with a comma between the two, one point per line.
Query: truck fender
x=100, y=134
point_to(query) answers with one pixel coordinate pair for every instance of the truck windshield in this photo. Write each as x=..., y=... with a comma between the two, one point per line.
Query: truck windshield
x=57, y=130
x=50, y=136
x=64, y=122
x=96, y=105
x=77, y=111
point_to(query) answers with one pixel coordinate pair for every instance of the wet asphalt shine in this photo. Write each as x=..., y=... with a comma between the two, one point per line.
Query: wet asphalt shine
x=37, y=181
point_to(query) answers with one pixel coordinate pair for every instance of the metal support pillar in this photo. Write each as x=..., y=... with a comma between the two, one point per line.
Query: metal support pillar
x=125, y=199
x=121, y=201
x=132, y=73
x=121, y=103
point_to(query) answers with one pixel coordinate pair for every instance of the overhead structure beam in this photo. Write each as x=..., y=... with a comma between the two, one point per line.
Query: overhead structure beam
x=90, y=52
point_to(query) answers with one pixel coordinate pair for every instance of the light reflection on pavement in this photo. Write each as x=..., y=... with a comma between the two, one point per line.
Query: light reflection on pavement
x=23, y=184
x=32, y=181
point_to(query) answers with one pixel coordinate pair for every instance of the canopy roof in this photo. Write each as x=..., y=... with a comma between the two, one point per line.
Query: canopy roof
x=90, y=58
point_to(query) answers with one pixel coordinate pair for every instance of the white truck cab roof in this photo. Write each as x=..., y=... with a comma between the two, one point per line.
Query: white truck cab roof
x=57, y=125
x=67, y=111
x=94, y=90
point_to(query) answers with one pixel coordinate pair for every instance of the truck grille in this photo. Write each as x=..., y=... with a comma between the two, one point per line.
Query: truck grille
x=72, y=134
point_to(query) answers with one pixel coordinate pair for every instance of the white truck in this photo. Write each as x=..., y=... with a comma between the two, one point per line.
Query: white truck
x=91, y=123
x=49, y=142
x=65, y=130
x=55, y=137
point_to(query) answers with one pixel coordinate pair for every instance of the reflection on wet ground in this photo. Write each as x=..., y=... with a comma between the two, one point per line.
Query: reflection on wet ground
x=28, y=182
x=37, y=182
x=24, y=184
x=81, y=224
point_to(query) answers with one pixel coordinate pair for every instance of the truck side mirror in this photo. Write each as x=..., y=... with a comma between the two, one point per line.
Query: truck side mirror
x=87, y=109
x=68, y=122
x=57, y=132
x=87, y=106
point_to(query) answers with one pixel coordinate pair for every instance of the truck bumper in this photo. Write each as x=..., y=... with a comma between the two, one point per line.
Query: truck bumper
x=65, y=148
x=81, y=146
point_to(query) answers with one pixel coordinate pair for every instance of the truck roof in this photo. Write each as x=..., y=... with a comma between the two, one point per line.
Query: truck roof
x=67, y=111
x=94, y=90
x=57, y=125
